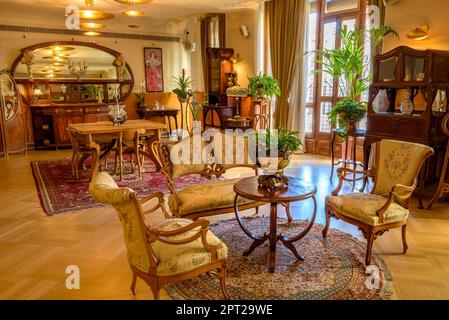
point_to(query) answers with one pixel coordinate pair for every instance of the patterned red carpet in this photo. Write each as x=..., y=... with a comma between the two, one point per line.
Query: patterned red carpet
x=333, y=269
x=60, y=192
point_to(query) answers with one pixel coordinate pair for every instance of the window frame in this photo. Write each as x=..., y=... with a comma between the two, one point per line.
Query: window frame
x=315, y=136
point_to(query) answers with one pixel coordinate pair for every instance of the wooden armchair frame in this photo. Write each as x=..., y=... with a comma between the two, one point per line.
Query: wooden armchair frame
x=399, y=193
x=156, y=282
x=216, y=267
x=162, y=151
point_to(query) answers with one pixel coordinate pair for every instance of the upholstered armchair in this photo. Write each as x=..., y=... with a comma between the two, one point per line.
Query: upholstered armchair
x=176, y=250
x=213, y=198
x=397, y=165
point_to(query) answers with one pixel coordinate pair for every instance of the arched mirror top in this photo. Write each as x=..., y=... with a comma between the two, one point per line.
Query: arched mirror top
x=71, y=61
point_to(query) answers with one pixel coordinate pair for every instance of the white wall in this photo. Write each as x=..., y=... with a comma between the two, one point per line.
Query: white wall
x=246, y=47
x=409, y=14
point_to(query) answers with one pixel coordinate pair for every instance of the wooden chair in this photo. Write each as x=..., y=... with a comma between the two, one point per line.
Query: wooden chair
x=79, y=148
x=397, y=166
x=207, y=199
x=129, y=143
x=176, y=250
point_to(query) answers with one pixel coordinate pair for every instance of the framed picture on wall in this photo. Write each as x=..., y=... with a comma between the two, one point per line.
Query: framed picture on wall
x=154, y=72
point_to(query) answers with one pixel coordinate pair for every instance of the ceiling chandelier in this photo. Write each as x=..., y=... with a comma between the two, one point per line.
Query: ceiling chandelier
x=90, y=14
x=133, y=12
x=91, y=26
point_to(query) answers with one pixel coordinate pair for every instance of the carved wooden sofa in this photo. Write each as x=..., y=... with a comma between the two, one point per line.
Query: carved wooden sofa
x=207, y=199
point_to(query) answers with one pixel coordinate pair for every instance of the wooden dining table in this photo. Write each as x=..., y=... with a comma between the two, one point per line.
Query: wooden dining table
x=105, y=133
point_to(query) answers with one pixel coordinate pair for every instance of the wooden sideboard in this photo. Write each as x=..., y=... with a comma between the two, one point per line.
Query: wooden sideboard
x=50, y=121
x=424, y=75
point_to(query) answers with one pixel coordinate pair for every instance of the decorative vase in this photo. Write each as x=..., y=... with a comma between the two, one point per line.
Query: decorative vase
x=117, y=114
x=273, y=171
x=142, y=106
x=260, y=93
x=407, y=104
x=273, y=166
x=383, y=102
x=352, y=126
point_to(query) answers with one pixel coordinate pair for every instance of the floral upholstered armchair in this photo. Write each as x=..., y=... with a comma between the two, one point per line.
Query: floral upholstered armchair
x=395, y=172
x=215, y=197
x=176, y=250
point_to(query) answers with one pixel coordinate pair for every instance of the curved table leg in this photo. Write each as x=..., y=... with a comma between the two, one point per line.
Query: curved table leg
x=273, y=236
x=332, y=155
x=288, y=241
x=257, y=240
x=287, y=211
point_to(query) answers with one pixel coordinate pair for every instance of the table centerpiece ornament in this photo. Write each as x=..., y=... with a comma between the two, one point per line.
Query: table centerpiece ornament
x=117, y=112
x=285, y=142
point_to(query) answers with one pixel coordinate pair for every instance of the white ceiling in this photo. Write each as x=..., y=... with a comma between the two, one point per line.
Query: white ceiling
x=162, y=16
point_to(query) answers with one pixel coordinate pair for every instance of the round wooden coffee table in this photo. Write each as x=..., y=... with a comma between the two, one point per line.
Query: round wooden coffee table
x=296, y=190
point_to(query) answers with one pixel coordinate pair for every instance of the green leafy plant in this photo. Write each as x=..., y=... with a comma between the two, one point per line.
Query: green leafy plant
x=347, y=111
x=141, y=97
x=263, y=86
x=347, y=64
x=286, y=141
x=195, y=108
x=183, y=90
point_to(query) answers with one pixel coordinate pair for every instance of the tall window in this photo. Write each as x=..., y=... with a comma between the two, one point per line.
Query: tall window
x=326, y=18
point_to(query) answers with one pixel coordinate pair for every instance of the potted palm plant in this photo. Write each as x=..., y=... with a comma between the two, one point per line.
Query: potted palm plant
x=347, y=63
x=184, y=93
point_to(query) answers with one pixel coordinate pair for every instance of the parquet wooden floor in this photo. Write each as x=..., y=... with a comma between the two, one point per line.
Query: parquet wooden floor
x=35, y=249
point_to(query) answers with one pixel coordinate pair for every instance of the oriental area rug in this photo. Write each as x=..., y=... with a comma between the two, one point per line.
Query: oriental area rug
x=333, y=269
x=59, y=191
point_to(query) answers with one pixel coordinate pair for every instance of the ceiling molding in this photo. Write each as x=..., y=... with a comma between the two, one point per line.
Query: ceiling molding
x=80, y=33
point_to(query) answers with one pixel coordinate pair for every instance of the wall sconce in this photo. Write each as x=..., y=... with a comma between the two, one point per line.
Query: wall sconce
x=235, y=58
x=244, y=31
x=419, y=33
x=189, y=46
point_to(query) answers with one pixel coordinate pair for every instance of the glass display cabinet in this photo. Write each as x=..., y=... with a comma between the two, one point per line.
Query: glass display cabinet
x=69, y=82
x=408, y=100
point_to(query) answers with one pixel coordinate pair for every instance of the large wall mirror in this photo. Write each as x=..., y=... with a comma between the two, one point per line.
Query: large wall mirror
x=63, y=64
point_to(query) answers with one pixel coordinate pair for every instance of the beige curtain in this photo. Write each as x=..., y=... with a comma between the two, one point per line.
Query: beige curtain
x=287, y=27
x=297, y=98
x=205, y=41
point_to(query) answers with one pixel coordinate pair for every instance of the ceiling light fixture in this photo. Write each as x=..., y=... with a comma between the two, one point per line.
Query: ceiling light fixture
x=419, y=33
x=61, y=48
x=90, y=14
x=91, y=33
x=133, y=13
x=135, y=1
x=92, y=25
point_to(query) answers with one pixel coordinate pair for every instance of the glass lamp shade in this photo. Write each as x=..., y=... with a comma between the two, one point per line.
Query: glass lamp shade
x=237, y=91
